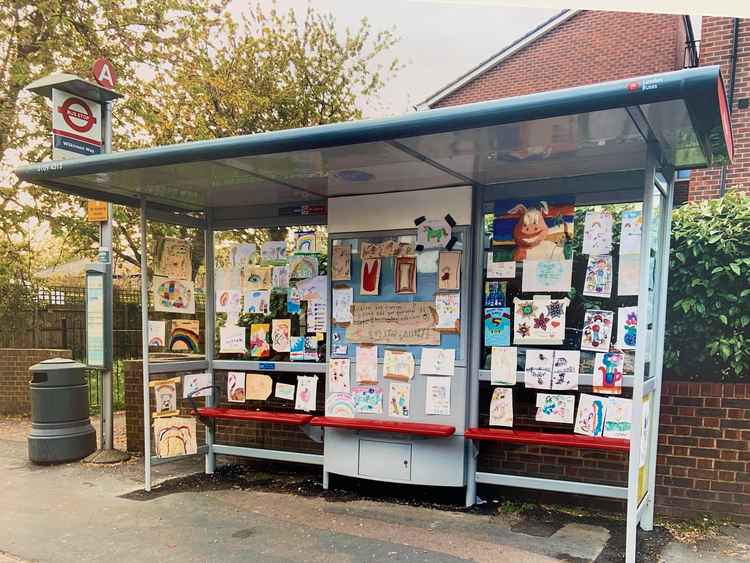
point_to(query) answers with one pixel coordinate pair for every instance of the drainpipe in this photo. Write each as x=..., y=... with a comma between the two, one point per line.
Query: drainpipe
x=730, y=94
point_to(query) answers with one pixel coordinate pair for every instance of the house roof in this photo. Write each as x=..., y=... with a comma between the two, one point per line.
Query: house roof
x=529, y=37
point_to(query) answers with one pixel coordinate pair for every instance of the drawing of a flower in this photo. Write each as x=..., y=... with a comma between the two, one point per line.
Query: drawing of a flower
x=541, y=322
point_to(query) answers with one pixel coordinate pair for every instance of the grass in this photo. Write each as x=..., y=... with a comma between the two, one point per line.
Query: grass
x=118, y=388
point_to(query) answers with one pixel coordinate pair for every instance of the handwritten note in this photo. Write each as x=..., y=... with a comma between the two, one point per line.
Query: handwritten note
x=391, y=322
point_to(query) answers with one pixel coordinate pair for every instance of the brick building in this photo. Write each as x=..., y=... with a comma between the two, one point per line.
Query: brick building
x=578, y=47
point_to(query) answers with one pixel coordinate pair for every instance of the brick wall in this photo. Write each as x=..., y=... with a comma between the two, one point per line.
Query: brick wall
x=703, y=461
x=716, y=48
x=593, y=46
x=248, y=434
x=14, y=376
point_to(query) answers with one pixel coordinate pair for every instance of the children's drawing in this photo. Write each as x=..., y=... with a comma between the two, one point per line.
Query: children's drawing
x=598, y=280
x=258, y=277
x=232, y=339
x=165, y=396
x=590, y=417
x=370, y=278
x=184, y=335
x=340, y=405
x=547, y=275
x=434, y=233
x=313, y=289
x=258, y=386
x=494, y=293
x=565, y=367
x=194, y=381
x=449, y=270
x=448, y=307
x=297, y=349
x=273, y=251
x=501, y=407
x=258, y=302
x=608, y=373
x=367, y=363
x=339, y=379
x=307, y=390
x=173, y=296
x=157, y=331
x=228, y=301
x=316, y=316
x=597, y=330
x=538, y=369
x=343, y=297
x=495, y=270
x=293, y=305
x=236, y=386
x=284, y=391
x=405, y=270
x=503, y=365
x=304, y=242
x=341, y=262
x=618, y=419
x=437, y=396
x=497, y=326
x=302, y=267
x=281, y=334
x=630, y=232
x=628, y=274
x=280, y=277
x=627, y=327
x=368, y=399
x=242, y=254
x=597, y=233
x=437, y=361
x=398, y=364
x=259, y=347
x=174, y=436
x=311, y=349
x=555, y=408
x=539, y=321
x=533, y=229
x=340, y=349
x=174, y=259
x=398, y=399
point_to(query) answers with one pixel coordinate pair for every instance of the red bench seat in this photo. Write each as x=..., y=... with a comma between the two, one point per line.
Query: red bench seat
x=547, y=439
x=291, y=418
x=414, y=428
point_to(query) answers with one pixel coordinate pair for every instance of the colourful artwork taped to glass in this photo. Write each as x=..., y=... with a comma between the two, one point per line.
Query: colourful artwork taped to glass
x=533, y=230
x=547, y=275
x=281, y=334
x=494, y=293
x=597, y=330
x=538, y=369
x=236, y=386
x=618, y=419
x=434, y=233
x=157, y=331
x=258, y=386
x=501, y=407
x=503, y=365
x=399, y=399
x=307, y=392
x=258, y=302
x=590, y=417
x=597, y=233
x=173, y=296
x=196, y=385
x=311, y=349
x=258, y=277
x=174, y=436
x=367, y=363
x=449, y=270
x=368, y=399
x=497, y=326
x=339, y=375
x=228, y=301
x=273, y=251
x=405, y=271
x=539, y=321
x=555, y=408
x=302, y=267
x=448, y=308
x=184, y=335
x=341, y=262
x=398, y=364
x=280, y=277
x=630, y=232
x=173, y=259
x=305, y=242
x=259, y=347
x=340, y=405
x=370, y=277
x=165, y=396
x=565, y=367
x=598, y=280
x=297, y=349
x=608, y=373
x=627, y=327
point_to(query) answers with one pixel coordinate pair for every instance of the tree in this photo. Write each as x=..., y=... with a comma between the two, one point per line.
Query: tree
x=194, y=73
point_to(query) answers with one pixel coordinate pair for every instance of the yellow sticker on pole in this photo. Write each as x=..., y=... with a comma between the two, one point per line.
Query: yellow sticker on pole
x=96, y=211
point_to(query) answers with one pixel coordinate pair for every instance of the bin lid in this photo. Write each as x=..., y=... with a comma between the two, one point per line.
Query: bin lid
x=57, y=364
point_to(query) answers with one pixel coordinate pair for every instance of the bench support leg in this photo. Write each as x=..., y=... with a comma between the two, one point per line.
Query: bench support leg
x=325, y=480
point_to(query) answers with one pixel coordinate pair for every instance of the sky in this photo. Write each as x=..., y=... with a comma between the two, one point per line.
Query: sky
x=440, y=40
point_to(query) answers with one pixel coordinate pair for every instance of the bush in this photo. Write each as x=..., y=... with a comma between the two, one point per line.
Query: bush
x=708, y=303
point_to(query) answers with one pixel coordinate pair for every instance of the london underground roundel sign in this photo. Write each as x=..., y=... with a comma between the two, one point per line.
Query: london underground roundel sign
x=77, y=114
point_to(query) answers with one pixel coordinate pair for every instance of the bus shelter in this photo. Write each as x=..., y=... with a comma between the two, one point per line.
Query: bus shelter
x=473, y=294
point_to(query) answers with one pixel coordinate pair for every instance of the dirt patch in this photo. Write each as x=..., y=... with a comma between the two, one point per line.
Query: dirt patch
x=17, y=428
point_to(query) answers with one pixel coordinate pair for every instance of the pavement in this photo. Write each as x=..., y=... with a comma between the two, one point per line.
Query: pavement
x=78, y=512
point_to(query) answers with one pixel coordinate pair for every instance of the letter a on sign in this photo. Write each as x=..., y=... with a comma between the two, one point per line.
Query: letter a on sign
x=104, y=73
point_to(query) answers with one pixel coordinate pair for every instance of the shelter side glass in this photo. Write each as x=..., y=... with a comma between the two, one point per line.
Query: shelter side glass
x=655, y=265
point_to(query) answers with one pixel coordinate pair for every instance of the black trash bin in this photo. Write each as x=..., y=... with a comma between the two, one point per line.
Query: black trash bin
x=60, y=427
